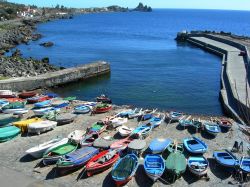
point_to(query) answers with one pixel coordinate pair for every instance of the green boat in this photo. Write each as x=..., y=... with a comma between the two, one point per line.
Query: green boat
x=69, y=98
x=176, y=163
x=6, y=119
x=52, y=155
x=14, y=105
x=175, y=147
x=8, y=133
x=97, y=127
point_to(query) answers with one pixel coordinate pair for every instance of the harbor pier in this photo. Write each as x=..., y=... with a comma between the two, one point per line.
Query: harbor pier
x=234, y=73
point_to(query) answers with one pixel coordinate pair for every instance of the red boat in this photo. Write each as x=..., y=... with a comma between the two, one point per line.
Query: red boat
x=37, y=99
x=101, y=162
x=25, y=95
x=15, y=99
x=121, y=144
x=102, y=108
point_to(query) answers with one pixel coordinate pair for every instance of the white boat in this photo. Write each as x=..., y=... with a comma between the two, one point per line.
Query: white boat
x=16, y=111
x=7, y=93
x=118, y=120
x=41, y=126
x=77, y=135
x=43, y=111
x=37, y=151
x=125, y=131
x=198, y=165
x=56, y=102
x=65, y=118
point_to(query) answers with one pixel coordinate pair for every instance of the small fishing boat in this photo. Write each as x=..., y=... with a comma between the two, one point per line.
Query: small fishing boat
x=65, y=118
x=41, y=126
x=43, y=104
x=101, y=162
x=102, y=143
x=3, y=103
x=225, y=124
x=75, y=160
x=198, y=165
x=17, y=111
x=5, y=119
x=185, y=122
x=136, y=113
x=225, y=158
x=125, y=131
x=245, y=164
x=121, y=144
x=15, y=99
x=54, y=153
x=104, y=99
x=197, y=124
x=176, y=163
x=25, y=95
x=37, y=99
x=118, y=120
x=157, y=120
x=14, y=105
x=137, y=147
x=77, y=135
x=125, y=169
x=102, y=108
x=175, y=147
x=97, y=127
x=59, y=102
x=147, y=114
x=23, y=124
x=195, y=145
x=173, y=116
x=158, y=145
x=37, y=151
x=154, y=166
x=89, y=139
x=125, y=113
x=212, y=128
x=142, y=131
x=82, y=109
x=51, y=95
x=44, y=111
x=8, y=133
x=7, y=94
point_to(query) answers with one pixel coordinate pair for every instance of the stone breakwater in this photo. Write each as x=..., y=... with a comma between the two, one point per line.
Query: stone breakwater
x=234, y=74
x=56, y=78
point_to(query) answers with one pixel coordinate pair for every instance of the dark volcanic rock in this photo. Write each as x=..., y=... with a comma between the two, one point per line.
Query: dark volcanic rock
x=36, y=37
x=143, y=8
x=47, y=44
x=17, y=66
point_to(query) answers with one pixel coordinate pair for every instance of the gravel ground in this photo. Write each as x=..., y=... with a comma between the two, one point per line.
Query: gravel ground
x=13, y=155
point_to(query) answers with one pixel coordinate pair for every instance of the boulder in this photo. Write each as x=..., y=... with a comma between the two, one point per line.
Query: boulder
x=47, y=44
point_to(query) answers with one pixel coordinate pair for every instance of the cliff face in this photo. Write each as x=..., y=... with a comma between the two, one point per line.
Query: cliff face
x=143, y=8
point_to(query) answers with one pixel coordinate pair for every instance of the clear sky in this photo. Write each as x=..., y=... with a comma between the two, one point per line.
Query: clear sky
x=189, y=4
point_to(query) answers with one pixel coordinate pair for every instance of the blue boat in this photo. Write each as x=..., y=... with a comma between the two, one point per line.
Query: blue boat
x=212, y=128
x=195, y=145
x=75, y=160
x=158, y=145
x=154, y=166
x=62, y=105
x=245, y=164
x=157, y=120
x=225, y=158
x=3, y=103
x=125, y=169
x=142, y=131
x=185, y=122
x=43, y=104
x=82, y=109
x=51, y=95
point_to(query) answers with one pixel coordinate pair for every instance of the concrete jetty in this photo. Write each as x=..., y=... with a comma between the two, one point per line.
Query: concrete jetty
x=234, y=77
x=56, y=78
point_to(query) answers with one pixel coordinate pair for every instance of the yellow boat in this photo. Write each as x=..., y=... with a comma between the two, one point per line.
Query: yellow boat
x=23, y=125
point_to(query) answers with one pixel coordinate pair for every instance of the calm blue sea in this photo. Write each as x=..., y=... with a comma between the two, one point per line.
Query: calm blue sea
x=149, y=69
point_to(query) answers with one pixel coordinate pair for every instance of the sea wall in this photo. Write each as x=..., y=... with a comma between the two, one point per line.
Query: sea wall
x=228, y=95
x=56, y=78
